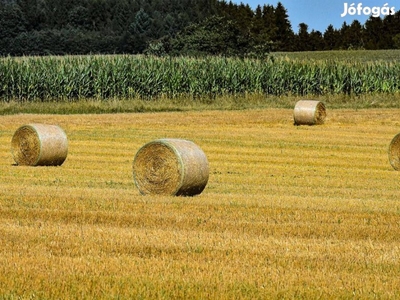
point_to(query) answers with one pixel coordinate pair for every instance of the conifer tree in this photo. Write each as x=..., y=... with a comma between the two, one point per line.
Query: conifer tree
x=284, y=33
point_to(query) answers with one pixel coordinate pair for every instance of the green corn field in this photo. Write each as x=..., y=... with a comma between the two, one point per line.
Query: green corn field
x=127, y=76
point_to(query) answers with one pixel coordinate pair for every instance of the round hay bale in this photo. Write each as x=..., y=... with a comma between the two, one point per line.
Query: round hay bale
x=394, y=152
x=170, y=167
x=39, y=145
x=309, y=112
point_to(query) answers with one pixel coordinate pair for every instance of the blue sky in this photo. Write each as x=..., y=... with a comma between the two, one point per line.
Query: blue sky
x=319, y=14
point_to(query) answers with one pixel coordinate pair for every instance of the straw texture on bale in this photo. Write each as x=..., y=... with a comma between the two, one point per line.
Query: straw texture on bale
x=394, y=152
x=170, y=167
x=39, y=145
x=309, y=112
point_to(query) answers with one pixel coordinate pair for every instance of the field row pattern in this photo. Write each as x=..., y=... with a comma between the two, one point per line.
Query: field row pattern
x=289, y=212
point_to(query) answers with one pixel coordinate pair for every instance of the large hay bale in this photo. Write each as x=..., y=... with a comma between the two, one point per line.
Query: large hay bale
x=170, y=167
x=309, y=112
x=39, y=145
x=394, y=152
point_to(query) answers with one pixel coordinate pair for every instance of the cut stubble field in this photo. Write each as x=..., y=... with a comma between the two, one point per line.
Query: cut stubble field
x=288, y=212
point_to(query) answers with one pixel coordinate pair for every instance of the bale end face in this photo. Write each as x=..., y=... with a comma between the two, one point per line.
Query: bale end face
x=25, y=146
x=170, y=167
x=394, y=152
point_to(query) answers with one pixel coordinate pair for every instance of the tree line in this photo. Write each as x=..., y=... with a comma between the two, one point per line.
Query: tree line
x=174, y=27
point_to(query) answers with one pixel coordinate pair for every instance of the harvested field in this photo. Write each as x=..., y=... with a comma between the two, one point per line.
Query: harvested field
x=288, y=211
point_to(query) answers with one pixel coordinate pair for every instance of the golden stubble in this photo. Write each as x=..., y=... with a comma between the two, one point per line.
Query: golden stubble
x=288, y=211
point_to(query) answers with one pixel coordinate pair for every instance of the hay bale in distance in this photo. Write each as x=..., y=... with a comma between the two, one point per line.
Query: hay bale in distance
x=39, y=145
x=174, y=167
x=394, y=152
x=309, y=112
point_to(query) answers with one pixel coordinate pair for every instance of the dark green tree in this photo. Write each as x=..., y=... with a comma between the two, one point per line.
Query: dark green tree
x=396, y=41
x=121, y=17
x=79, y=17
x=12, y=21
x=139, y=30
x=352, y=35
x=260, y=40
x=35, y=13
x=373, y=33
x=214, y=36
x=284, y=34
x=303, y=38
x=391, y=27
x=269, y=21
x=257, y=25
x=316, y=41
x=331, y=38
